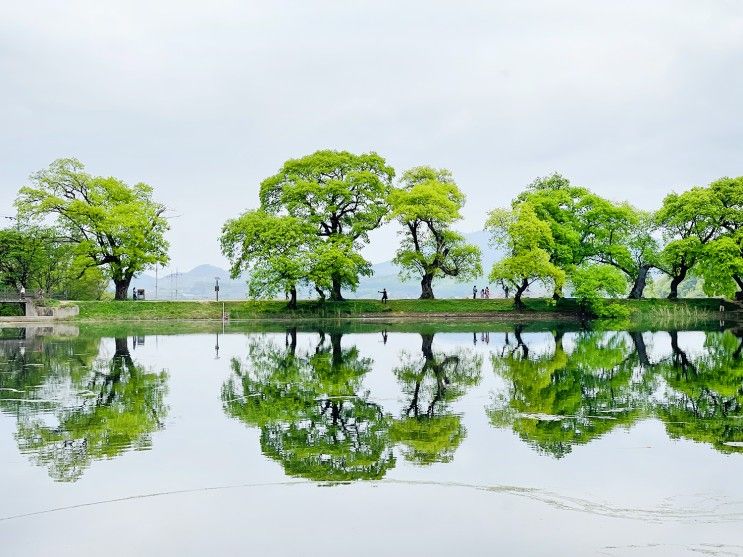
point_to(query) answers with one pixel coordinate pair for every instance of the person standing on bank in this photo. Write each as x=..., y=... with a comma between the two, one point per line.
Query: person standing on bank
x=474, y=292
x=23, y=292
x=383, y=292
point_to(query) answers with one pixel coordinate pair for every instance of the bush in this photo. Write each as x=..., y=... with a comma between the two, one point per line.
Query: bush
x=592, y=284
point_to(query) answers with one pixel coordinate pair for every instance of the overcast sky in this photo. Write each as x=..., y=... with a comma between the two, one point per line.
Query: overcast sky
x=204, y=99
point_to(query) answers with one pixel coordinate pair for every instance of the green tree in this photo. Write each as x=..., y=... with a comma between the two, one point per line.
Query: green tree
x=39, y=259
x=688, y=220
x=528, y=242
x=116, y=226
x=721, y=261
x=721, y=266
x=275, y=251
x=428, y=429
x=620, y=235
x=426, y=204
x=343, y=196
x=559, y=204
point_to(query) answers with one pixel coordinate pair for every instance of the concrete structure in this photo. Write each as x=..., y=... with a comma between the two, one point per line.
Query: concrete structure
x=34, y=312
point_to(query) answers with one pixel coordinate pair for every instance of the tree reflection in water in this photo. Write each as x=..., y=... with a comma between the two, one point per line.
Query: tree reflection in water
x=704, y=398
x=313, y=418
x=428, y=430
x=557, y=399
x=72, y=407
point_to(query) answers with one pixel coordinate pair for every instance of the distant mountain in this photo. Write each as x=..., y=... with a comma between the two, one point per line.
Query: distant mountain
x=198, y=283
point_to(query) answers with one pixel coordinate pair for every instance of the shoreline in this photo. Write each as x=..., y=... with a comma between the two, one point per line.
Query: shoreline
x=645, y=312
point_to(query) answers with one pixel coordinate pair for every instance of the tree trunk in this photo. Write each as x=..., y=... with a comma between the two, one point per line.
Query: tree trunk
x=427, y=346
x=640, y=348
x=557, y=293
x=335, y=293
x=427, y=287
x=517, y=296
x=675, y=281
x=337, y=350
x=739, y=281
x=291, y=340
x=122, y=288
x=293, y=297
x=639, y=286
x=320, y=293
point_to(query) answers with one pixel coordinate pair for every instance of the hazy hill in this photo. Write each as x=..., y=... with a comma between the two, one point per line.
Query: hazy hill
x=198, y=283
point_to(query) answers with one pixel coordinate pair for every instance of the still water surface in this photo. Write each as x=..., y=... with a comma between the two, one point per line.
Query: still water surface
x=415, y=441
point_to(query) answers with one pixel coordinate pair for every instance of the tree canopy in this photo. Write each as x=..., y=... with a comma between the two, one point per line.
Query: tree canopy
x=528, y=242
x=117, y=227
x=427, y=202
x=343, y=196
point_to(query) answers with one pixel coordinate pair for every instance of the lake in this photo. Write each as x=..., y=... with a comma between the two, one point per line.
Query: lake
x=370, y=439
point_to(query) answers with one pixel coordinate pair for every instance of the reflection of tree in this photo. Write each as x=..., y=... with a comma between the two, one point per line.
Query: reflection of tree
x=428, y=429
x=705, y=399
x=74, y=408
x=558, y=399
x=312, y=417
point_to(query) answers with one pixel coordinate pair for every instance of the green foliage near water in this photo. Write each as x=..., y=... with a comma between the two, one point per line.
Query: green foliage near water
x=107, y=223
x=317, y=212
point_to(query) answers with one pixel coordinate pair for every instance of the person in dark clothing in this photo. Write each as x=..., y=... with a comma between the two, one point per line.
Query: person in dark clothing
x=134, y=293
x=383, y=292
x=474, y=292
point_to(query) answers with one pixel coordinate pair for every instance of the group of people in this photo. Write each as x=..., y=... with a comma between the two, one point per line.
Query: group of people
x=484, y=292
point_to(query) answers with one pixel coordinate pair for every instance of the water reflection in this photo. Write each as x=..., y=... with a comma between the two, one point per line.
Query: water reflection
x=557, y=399
x=704, y=398
x=73, y=406
x=314, y=418
x=315, y=398
x=428, y=429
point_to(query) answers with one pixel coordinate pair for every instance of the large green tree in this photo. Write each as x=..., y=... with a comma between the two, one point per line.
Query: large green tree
x=117, y=227
x=689, y=221
x=528, y=242
x=344, y=197
x=275, y=251
x=426, y=204
x=721, y=261
x=619, y=235
x=559, y=204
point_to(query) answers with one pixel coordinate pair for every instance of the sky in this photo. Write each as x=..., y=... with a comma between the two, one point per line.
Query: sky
x=202, y=100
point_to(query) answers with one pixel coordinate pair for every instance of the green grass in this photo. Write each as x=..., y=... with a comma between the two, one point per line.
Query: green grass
x=651, y=310
x=260, y=309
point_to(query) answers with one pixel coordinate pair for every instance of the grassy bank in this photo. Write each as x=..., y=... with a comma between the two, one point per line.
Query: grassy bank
x=652, y=310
